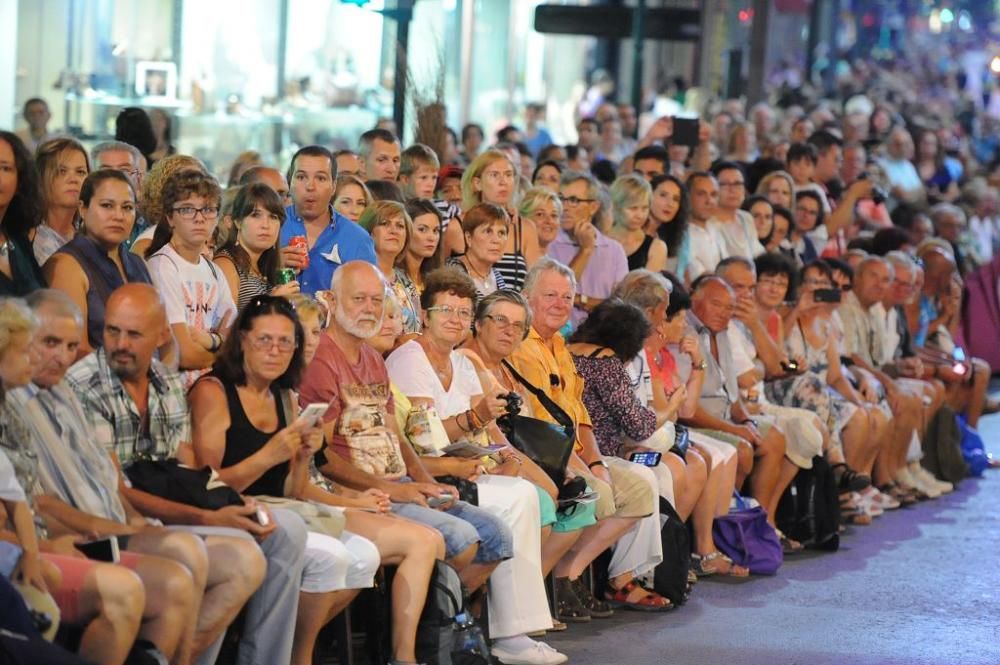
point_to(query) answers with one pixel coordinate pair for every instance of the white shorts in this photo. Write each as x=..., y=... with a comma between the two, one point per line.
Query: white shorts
x=335, y=564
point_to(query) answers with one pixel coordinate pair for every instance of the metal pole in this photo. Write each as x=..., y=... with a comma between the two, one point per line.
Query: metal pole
x=638, y=17
x=815, y=28
x=758, y=51
x=404, y=14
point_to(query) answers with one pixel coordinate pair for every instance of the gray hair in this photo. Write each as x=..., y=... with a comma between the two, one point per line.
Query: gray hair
x=872, y=260
x=108, y=146
x=593, y=187
x=486, y=305
x=941, y=209
x=542, y=265
x=643, y=288
x=735, y=260
x=57, y=302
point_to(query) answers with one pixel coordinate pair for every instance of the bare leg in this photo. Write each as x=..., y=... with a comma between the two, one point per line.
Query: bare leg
x=556, y=547
x=111, y=603
x=595, y=539
x=767, y=466
x=170, y=599
x=744, y=464
x=678, y=476
x=315, y=611
x=696, y=475
x=788, y=471
x=475, y=574
x=236, y=567
x=716, y=489
x=855, y=439
x=880, y=437
x=977, y=394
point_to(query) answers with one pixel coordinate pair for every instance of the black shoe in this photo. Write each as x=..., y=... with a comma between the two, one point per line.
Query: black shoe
x=850, y=480
x=569, y=608
x=598, y=608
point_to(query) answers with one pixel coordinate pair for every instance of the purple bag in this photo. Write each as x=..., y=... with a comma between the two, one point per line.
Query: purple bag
x=746, y=538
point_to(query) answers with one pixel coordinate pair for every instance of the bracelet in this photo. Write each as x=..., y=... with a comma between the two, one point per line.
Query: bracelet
x=468, y=422
x=700, y=367
x=599, y=462
x=474, y=419
x=216, y=341
x=458, y=422
x=748, y=420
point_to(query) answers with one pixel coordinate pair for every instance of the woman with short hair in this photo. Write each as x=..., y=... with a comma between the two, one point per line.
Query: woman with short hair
x=486, y=227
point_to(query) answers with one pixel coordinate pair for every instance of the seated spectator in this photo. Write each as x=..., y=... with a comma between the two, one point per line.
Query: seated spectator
x=62, y=166
x=650, y=162
x=380, y=155
x=626, y=491
x=472, y=140
x=128, y=160
x=331, y=239
x=782, y=222
x=78, y=489
x=348, y=163
x=669, y=209
x=19, y=215
x=250, y=261
x=708, y=247
x=778, y=187
x=449, y=186
x=905, y=184
x=547, y=174
x=951, y=225
x=418, y=171
x=198, y=301
x=762, y=212
x=385, y=190
x=735, y=226
x=807, y=235
x=121, y=380
x=801, y=162
x=598, y=262
x=363, y=449
x=428, y=371
x=492, y=178
x=425, y=250
x=96, y=262
x=542, y=206
x=351, y=196
x=271, y=177
x=630, y=199
x=486, y=227
x=391, y=229
x=151, y=195
x=244, y=161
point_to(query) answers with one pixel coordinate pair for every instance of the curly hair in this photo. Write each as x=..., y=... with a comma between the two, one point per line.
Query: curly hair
x=616, y=325
x=24, y=211
x=229, y=366
x=447, y=280
x=181, y=186
x=151, y=196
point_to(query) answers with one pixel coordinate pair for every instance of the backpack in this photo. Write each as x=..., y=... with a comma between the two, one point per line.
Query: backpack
x=809, y=510
x=670, y=576
x=973, y=450
x=20, y=641
x=942, y=447
x=447, y=633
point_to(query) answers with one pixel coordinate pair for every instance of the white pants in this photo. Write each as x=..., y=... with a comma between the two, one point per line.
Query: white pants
x=517, y=600
x=640, y=550
x=335, y=564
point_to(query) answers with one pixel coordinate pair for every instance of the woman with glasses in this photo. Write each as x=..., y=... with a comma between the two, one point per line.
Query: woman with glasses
x=492, y=178
x=197, y=298
x=95, y=263
x=668, y=219
x=250, y=260
x=429, y=371
x=486, y=227
x=808, y=218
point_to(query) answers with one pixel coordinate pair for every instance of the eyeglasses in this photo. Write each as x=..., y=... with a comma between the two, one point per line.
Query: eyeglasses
x=189, y=212
x=573, y=201
x=504, y=323
x=448, y=311
x=498, y=175
x=807, y=211
x=266, y=343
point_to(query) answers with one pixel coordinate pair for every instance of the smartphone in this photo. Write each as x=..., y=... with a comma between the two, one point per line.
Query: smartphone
x=685, y=131
x=645, y=458
x=262, y=517
x=827, y=295
x=435, y=501
x=312, y=415
x=102, y=549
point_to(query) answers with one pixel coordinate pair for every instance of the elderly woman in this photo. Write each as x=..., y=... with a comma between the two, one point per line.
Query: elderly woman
x=630, y=202
x=62, y=164
x=486, y=227
x=391, y=229
x=425, y=250
x=250, y=260
x=543, y=207
x=492, y=178
x=95, y=263
x=430, y=372
x=351, y=197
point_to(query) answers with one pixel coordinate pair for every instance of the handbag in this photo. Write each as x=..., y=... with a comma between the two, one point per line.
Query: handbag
x=468, y=491
x=319, y=518
x=171, y=480
x=425, y=429
x=746, y=538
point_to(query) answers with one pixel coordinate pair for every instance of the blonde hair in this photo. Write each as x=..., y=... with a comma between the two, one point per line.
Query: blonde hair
x=304, y=304
x=535, y=197
x=470, y=196
x=151, y=197
x=15, y=318
x=628, y=190
x=349, y=179
x=765, y=183
x=380, y=213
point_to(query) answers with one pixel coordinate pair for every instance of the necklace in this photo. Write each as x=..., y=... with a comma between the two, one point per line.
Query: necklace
x=475, y=273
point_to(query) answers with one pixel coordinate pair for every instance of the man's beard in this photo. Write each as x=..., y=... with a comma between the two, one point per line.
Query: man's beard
x=123, y=370
x=359, y=329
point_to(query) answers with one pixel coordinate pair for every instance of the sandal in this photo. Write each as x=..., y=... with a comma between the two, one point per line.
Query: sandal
x=789, y=545
x=598, y=608
x=856, y=517
x=850, y=480
x=728, y=568
x=569, y=608
x=649, y=601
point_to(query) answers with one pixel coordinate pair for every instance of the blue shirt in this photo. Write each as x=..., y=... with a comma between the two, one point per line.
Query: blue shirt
x=340, y=242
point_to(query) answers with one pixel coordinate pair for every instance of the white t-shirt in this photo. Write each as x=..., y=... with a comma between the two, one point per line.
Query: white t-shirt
x=10, y=490
x=739, y=237
x=707, y=249
x=412, y=374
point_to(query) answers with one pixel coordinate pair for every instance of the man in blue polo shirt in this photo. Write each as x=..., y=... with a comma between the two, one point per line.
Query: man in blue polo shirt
x=331, y=238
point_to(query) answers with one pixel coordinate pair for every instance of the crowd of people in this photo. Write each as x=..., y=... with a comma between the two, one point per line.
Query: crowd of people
x=340, y=342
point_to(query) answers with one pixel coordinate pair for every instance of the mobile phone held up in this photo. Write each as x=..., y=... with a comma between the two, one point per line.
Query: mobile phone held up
x=645, y=458
x=827, y=295
x=102, y=549
x=312, y=415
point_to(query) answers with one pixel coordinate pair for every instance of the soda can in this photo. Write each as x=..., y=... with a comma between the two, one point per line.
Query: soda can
x=286, y=275
x=300, y=242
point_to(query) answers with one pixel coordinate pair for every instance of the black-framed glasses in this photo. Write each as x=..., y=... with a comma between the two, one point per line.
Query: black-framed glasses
x=190, y=212
x=574, y=201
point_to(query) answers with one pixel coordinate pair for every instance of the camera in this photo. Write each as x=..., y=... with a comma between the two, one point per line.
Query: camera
x=514, y=402
x=878, y=195
x=790, y=367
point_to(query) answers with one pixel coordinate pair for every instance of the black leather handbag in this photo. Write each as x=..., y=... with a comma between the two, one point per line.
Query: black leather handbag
x=169, y=480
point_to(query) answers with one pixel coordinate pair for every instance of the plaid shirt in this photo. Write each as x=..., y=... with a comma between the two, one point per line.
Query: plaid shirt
x=115, y=418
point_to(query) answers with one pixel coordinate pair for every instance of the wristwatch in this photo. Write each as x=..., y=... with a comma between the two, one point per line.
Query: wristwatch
x=700, y=367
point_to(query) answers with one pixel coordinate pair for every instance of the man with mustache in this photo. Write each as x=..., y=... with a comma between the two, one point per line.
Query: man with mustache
x=364, y=449
x=138, y=410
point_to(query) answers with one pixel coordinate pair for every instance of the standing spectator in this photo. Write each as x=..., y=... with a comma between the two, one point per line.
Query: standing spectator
x=630, y=201
x=380, y=155
x=331, y=239
x=36, y=113
x=535, y=135
x=63, y=165
x=669, y=209
x=19, y=216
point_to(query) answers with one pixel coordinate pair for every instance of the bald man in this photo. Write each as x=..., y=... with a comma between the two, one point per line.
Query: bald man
x=138, y=410
x=721, y=408
x=271, y=177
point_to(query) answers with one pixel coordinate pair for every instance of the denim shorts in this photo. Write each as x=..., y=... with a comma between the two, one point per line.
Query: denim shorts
x=462, y=525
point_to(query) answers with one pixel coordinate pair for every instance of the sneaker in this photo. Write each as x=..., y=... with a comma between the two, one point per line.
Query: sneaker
x=929, y=477
x=598, y=608
x=907, y=479
x=538, y=653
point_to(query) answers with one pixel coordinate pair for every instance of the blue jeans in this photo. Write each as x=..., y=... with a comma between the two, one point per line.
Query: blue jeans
x=462, y=525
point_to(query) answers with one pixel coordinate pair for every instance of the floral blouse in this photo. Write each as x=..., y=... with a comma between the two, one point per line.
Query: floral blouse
x=614, y=409
x=409, y=301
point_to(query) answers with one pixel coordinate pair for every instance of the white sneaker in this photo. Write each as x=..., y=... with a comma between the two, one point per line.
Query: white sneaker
x=904, y=477
x=930, y=479
x=539, y=653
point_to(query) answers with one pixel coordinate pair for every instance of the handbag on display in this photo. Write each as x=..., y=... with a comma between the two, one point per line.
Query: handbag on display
x=171, y=480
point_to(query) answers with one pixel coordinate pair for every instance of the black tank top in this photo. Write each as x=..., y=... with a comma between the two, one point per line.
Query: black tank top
x=243, y=440
x=640, y=257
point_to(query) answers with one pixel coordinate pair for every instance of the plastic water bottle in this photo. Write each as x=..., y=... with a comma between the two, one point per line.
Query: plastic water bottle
x=469, y=638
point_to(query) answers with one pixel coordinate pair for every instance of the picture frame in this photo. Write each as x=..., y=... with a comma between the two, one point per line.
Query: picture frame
x=156, y=79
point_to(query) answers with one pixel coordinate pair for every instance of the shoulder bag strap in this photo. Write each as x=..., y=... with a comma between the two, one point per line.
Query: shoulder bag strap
x=554, y=409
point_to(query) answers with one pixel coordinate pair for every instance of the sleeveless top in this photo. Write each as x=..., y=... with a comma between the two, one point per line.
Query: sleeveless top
x=26, y=275
x=104, y=277
x=251, y=284
x=243, y=440
x=640, y=257
x=513, y=267
x=501, y=283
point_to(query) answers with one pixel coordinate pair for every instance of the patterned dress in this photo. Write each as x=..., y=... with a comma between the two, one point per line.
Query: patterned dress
x=614, y=408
